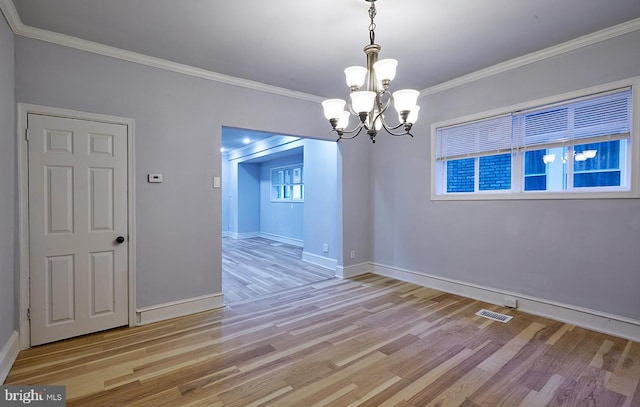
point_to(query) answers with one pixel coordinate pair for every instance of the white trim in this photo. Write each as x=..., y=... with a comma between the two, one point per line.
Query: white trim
x=161, y=312
x=23, y=201
x=559, y=49
x=18, y=28
x=634, y=187
x=11, y=15
x=245, y=235
x=587, y=318
x=322, y=261
x=21, y=29
x=282, y=239
x=8, y=355
x=23, y=228
x=354, y=270
x=226, y=233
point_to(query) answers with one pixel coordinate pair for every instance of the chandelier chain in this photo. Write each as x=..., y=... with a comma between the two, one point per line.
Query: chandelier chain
x=372, y=26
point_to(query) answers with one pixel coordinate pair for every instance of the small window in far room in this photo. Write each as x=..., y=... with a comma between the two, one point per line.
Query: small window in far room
x=287, y=184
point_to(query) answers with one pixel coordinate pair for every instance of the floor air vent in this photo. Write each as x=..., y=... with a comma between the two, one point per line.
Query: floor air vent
x=496, y=316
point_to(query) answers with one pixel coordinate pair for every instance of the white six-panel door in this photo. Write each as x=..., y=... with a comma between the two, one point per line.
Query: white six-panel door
x=77, y=211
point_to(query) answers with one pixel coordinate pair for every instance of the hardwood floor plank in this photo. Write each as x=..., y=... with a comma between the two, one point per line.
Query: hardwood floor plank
x=369, y=341
x=256, y=266
x=444, y=380
x=591, y=389
x=545, y=396
x=458, y=392
x=314, y=391
x=370, y=387
x=628, y=366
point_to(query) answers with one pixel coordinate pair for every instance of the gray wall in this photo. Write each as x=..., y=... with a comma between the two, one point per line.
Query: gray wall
x=225, y=190
x=248, y=198
x=541, y=248
x=320, y=204
x=178, y=132
x=355, y=193
x=8, y=189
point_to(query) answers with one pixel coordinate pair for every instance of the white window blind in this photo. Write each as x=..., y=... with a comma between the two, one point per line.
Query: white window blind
x=593, y=118
x=483, y=137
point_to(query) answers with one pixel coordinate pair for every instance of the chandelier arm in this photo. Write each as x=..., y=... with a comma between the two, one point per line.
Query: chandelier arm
x=394, y=127
x=386, y=104
x=381, y=108
x=389, y=129
x=407, y=129
x=341, y=134
x=358, y=128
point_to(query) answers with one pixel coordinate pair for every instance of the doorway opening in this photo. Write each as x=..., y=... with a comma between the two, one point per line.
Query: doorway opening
x=279, y=212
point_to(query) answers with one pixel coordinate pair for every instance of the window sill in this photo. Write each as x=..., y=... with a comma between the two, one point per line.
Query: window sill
x=621, y=194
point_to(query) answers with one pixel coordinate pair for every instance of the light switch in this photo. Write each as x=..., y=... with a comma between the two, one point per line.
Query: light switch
x=216, y=182
x=154, y=178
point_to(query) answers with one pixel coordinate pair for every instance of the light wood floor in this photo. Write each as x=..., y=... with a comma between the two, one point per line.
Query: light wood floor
x=370, y=341
x=255, y=267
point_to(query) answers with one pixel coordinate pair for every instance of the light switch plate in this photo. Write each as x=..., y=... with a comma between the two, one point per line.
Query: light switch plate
x=216, y=182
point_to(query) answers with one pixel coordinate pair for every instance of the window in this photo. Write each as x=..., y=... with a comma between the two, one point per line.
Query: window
x=476, y=156
x=562, y=149
x=287, y=184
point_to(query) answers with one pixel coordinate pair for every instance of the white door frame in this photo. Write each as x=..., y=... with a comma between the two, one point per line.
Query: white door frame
x=23, y=205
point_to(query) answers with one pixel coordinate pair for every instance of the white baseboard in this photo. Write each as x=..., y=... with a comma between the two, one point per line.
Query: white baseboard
x=8, y=355
x=587, y=318
x=161, y=312
x=269, y=236
x=353, y=270
x=282, y=239
x=226, y=233
x=321, y=261
x=245, y=235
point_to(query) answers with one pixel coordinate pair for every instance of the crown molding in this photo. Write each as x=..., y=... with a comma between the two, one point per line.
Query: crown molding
x=14, y=21
x=572, y=45
x=11, y=15
x=19, y=28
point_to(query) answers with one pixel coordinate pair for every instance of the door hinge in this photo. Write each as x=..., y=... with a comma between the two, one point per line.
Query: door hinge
x=26, y=134
x=28, y=314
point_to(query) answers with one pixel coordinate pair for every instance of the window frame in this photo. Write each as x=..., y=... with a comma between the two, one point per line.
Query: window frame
x=292, y=167
x=517, y=159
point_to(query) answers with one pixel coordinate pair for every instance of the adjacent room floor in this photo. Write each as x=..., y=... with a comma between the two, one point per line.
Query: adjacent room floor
x=257, y=266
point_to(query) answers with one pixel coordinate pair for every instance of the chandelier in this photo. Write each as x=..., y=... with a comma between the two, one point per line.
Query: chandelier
x=370, y=105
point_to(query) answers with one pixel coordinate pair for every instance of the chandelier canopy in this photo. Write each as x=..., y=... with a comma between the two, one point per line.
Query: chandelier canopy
x=370, y=105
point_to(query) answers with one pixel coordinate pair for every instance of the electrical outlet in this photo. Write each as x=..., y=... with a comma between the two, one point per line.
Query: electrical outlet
x=353, y=254
x=510, y=302
x=325, y=248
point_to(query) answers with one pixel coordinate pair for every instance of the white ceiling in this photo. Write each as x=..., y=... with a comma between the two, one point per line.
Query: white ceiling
x=234, y=138
x=304, y=45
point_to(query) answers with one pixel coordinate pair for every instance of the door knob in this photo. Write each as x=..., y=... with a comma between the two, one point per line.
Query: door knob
x=120, y=239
